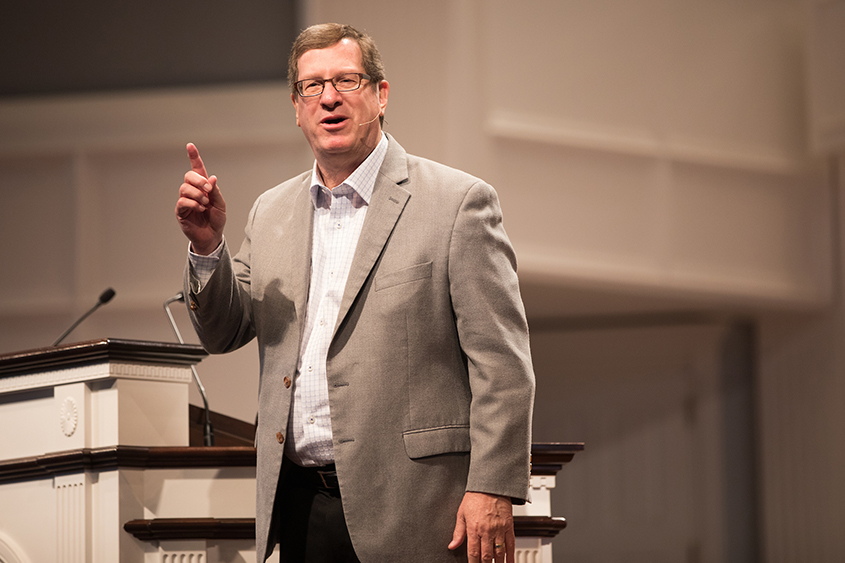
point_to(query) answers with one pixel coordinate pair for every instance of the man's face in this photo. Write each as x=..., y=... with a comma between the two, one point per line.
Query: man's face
x=332, y=121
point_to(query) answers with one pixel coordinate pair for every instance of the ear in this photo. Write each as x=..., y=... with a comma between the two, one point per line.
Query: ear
x=383, y=92
x=296, y=108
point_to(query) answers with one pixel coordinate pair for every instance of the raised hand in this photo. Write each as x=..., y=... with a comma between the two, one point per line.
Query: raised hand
x=201, y=210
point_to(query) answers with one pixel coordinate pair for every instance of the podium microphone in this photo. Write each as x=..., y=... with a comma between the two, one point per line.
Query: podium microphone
x=208, y=430
x=105, y=297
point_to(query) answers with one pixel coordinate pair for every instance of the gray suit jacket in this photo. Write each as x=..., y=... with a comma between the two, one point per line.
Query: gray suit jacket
x=429, y=372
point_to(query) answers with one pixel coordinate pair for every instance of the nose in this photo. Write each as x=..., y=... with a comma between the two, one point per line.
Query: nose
x=330, y=96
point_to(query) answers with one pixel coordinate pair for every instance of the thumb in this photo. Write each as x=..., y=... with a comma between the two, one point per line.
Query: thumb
x=215, y=196
x=212, y=180
x=459, y=534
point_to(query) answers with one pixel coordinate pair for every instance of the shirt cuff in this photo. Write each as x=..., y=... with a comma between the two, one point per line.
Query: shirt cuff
x=203, y=266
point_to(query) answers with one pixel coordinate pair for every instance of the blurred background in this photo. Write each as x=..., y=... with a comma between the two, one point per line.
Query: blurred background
x=670, y=174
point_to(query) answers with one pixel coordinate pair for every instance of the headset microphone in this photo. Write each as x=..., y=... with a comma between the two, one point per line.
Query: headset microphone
x=370, y=121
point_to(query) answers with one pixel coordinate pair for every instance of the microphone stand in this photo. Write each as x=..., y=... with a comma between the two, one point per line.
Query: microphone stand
x=208, y=430
x=105, y=297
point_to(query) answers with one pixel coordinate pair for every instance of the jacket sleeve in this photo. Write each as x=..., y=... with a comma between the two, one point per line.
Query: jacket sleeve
x=221, y=310
x=493, y=334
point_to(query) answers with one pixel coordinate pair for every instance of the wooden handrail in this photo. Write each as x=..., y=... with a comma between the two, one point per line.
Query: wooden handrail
x=97, y=351
x=114, y=457
x=547, y=458
x=551, y=457
x=228, y=431
x=192, y=529
x=158, y=529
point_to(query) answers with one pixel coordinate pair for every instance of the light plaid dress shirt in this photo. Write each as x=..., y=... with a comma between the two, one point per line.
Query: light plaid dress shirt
x=338, y=218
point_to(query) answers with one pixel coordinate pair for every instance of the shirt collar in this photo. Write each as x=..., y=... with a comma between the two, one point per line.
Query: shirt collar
x=361, y=181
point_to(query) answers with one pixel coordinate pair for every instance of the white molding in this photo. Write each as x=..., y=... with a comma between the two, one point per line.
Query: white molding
x=541, y=499
x=150, y=372
x=183, y=551
x=507, y=125
x=110, y=370
x=10, y=551
x=242, y=115
x=530, y=550
x=536, y=265
x=71, y=524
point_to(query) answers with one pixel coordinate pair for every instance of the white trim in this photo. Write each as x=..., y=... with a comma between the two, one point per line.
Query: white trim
x=10, y=552
x=511, y=126
x=95, y=372
x=147, y=120
x=535, y=265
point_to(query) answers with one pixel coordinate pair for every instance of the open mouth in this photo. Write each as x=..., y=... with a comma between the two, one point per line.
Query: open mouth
x=333, y=120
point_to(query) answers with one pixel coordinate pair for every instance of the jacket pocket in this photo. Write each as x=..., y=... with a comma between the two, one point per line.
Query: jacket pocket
x=405, y=275
x=435, y=441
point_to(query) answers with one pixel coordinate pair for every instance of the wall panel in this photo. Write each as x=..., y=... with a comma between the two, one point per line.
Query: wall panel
x=37, y=226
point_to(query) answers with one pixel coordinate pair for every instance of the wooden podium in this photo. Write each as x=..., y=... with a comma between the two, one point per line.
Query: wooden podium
x=67, y=416
x=96, y=463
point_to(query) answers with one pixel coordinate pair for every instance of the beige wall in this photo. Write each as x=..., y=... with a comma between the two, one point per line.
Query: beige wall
x=651, y=158
x=671, y=137
x=801, y=393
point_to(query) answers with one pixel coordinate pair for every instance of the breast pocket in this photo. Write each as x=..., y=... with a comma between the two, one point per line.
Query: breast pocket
x=437, y=441
x=405, y=275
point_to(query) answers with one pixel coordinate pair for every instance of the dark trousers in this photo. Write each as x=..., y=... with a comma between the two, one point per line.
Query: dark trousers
x=312, y=526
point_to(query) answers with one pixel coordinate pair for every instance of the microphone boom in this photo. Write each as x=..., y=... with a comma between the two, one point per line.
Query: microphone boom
x=104, y=298
x=370, y=121
x=208, y=429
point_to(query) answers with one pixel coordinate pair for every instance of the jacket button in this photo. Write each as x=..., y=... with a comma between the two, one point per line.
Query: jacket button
x=280, y=437
x=287, y=382
x=194, y=305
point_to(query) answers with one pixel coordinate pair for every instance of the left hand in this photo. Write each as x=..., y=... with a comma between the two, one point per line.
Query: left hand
x=487, y=523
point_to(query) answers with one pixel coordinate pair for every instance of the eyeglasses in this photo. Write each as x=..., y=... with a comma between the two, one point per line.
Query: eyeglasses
x=347, y=82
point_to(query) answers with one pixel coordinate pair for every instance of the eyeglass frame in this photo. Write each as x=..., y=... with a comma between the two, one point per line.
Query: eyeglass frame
x=361, y=77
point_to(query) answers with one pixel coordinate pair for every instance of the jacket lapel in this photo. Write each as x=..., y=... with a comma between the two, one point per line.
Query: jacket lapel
x=385, y=208
x=294, y=234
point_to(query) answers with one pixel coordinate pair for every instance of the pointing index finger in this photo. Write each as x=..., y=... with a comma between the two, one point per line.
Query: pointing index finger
x=196, y=161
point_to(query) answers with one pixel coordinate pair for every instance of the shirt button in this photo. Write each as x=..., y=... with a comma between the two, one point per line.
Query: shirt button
x=287, y=382
x=339, y=225
x=311, y=420
x=280, y=437
x=310, y=368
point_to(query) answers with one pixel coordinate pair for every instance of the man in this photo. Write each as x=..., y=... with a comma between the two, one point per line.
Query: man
x=396, y=383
